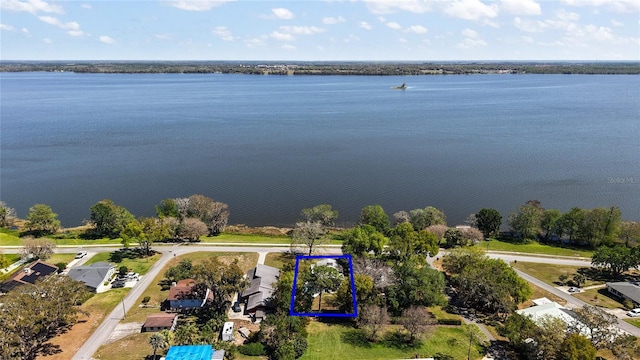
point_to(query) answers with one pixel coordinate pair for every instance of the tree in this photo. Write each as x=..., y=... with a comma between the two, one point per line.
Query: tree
x=157, y=342
x=458, y=259
x=309, y=235
x=549, y=223
x=617, y=259
x=320, y=213
x=576, y=347
x=179, y=272
x=372, y=318
x=488, y=221
x=109, y=219
x=423, y=218
x=167, y=208
x=549, y=337
x=366, y=293
x=187, y=334
x=401, y=217
x=223, y=280
x=7, y=215
x=39, y=248
x=629, y=232
x=600, y=226
x=42, y=220
x=599, y=325
x=324, y=278
x=213, y=213
x=375, y=216
x=406, y=242
x=526, y=221
x=569, y=223
x=415, y=285
x=475, y=336
x=415, y=320
x=191, y=229
x=362, y=240
x=470, y=236
x=453, y=237
x=438, y=231
x=32, y=314
x=518, y=329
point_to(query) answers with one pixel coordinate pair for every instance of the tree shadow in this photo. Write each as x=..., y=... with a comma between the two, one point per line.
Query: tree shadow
x=356, y=337
x=400, y=340
x=50, y=349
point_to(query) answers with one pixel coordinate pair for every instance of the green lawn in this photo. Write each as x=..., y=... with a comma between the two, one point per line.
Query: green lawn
x=9, y=238
x=253, y=239
x=137, y=346
x=534, y=248
x=58, y=258
x=550, y=273
x=634, y=322
x=599, y=297
x=335, y=341
x=277, y=259
x=140, y=266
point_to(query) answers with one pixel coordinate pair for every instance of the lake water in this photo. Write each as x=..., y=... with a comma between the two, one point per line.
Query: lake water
x=271, y=145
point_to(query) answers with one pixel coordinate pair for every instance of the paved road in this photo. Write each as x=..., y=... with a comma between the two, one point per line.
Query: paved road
x=101, y=334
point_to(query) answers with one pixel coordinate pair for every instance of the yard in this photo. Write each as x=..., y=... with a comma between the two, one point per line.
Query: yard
x=534, y=248
x=599, y=297
x=550, y=274
x=137, y=265
x=336, y=341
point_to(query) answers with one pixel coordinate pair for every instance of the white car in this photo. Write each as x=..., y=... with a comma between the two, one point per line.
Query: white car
x=81, y=254
x=634, y=313
x=574, y=289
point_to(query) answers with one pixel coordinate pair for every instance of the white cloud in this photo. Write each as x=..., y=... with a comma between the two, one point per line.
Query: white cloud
x=75, y=32
x=472, y=39
x=47, y=41
x=616, y=23
x=417, y=29
x=394, y=25
x=288, y=47
x=301, y=30
x=197, y=5
x=527, y=25
x=470, y=33
x=86, y=6
x=621, y=6
x=471, y=9
x=282, y=36
x=333, y=20
x=107, y=40
x=365, y=25
x=391, y=6
x=7, y=27
x=25, y=30
x=521, y=7
x=254, y=42
x=564, y=15
x=402, y=40
x=32, y=6
x=351, y=38
x=74, y=26
x=162, y=36
x=223, y=32
x=282, y=13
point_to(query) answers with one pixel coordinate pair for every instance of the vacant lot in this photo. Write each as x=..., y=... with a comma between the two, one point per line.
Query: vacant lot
x=534, y=248
x=550, y=274
x=599, y=297
x=336, y=342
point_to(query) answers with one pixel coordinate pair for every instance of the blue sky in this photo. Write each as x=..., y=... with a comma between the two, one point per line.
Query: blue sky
x=411, y=30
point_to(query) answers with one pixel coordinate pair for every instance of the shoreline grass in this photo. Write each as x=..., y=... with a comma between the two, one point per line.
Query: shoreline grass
x=534, y=248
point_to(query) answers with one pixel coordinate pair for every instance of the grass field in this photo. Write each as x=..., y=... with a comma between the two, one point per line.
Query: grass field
x=534, y=248
x=599, y=297
x=132, y=347
x=550, y=273
x=58, y=258
x=277, y=259
x=336, y=342
x=140, y=266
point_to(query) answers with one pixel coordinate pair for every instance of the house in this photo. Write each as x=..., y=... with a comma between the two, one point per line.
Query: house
x=626, y=290
x=331, y=262
x=187, y=294
x=94, y=276
x=29, y=274
x=159, y=322
x=262, y=278
x=544, y=307
x=227, y=331
x=194, y=352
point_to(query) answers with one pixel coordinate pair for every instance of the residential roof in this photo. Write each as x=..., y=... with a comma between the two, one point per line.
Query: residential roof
x=29, y=274
x=92, y=275
x=628, y=289
x=159, y=320
x=184, y=290
x=190, y=352
x=262, y=279
x=552, y=309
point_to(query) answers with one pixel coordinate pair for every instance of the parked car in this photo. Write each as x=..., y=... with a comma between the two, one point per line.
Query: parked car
x=236, y=307
x=117, y=284
x=574, y=289
x=81, y=254
x=634, y=313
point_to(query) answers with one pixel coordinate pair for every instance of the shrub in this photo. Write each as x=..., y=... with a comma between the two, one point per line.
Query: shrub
x=449, y=322
x=61, y=266
x=252, y=349
x=123, y=270
x=300, y=346
x=146, y=299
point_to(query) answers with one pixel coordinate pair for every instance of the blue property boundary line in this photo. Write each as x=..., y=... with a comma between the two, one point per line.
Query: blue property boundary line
x=351, y=279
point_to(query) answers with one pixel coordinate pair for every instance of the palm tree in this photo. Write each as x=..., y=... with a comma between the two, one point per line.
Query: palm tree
x=157, y=342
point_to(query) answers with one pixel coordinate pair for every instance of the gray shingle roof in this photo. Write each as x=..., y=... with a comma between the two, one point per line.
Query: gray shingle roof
x=262, y=279
x=628, y=289
x=92, y=275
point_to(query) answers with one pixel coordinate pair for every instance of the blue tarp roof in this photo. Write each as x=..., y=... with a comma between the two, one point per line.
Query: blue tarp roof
x=190, y=352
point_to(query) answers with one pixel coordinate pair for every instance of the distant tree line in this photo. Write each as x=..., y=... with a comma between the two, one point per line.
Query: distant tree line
x=328, y=68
